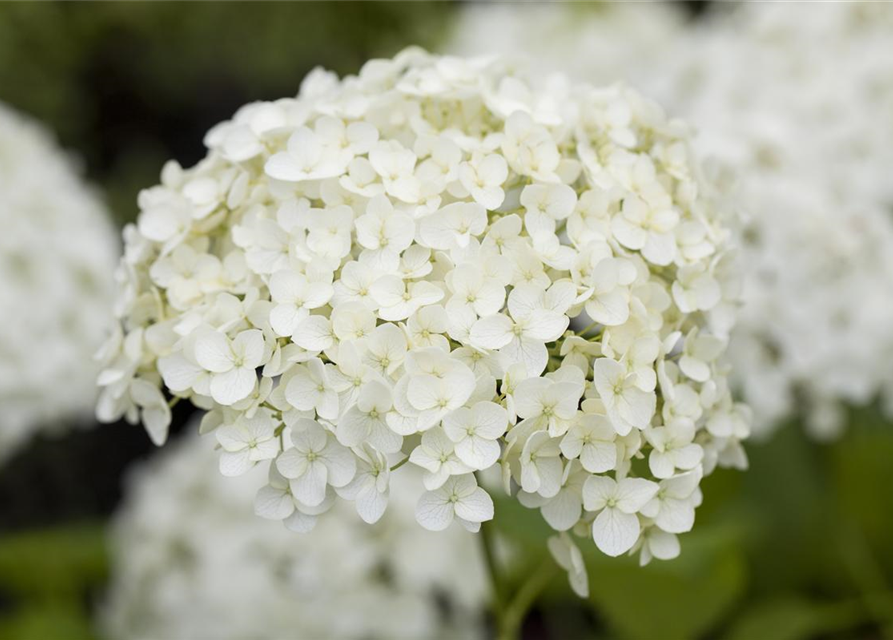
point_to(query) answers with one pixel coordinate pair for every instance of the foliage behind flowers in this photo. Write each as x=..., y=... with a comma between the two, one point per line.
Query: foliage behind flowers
x=130, y=86
x=399, y=255
x=191, y=560
x=57, y=254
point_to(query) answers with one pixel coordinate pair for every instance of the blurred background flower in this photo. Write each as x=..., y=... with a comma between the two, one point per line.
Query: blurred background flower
x=796, y=99
x=191, y=560
x=57, y=259
x=793, y=104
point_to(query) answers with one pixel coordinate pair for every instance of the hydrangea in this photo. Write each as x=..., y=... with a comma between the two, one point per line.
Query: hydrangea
x=190, y=560
x=385, y=269
x=57, y=255
x=798, y=105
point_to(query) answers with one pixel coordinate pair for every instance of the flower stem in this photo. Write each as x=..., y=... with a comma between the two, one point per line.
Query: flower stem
x=517, y=610
x=488, y=545
x=400, y=464
x=587, y=329
x=509, y=614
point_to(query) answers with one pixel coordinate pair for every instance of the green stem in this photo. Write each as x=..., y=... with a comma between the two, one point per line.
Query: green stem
x=488, y=545
x=860, y=560
x=509, y=613
x=524, y=598
x=588, y=328
x=400, y=464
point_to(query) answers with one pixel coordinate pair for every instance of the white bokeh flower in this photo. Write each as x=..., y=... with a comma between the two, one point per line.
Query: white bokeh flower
x=189, y=559
x=57, y=268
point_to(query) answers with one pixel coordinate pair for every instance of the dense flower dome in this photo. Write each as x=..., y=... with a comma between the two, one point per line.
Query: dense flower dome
x=799, y=105
x=190, y=560
x=57, y=256
x=384, y=270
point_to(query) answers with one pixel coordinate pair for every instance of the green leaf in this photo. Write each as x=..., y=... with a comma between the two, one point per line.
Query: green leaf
x=793, y=618
x=50, y=621
x=53, y=563
x=675, y=600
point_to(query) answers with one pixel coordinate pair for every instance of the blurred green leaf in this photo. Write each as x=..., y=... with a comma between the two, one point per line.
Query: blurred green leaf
x=793, y=618
x=55, y=563
x=50, y=621
x=683, y=598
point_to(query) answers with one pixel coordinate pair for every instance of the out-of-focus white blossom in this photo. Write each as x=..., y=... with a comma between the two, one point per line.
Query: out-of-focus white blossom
x=798, y=103
x=594, y=42
x=57, y=258
x=191, y=560
x=795, y=102
x=390, y=276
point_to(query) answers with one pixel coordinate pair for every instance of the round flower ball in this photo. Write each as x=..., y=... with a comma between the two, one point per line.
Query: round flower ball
x=190, y=560
x=57, y=259
x=384, y=271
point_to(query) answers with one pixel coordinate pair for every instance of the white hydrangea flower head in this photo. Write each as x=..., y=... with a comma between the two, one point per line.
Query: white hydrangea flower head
x=190, y=559
x=797, y=104
x=387, y=273
x=57, y=256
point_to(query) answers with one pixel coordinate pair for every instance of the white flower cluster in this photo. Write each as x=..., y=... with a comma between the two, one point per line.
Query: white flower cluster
x=798, y=103
x=57, y=255
x=384, y=270
x=190, y=560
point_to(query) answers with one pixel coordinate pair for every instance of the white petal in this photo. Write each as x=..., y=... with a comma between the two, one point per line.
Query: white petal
x=637, y=406
x=492, y=332
x=310, y=487
x=563, y=511
x=478, y=453
x=598, y=457
x=661, y=464
x=273, y=504
x=212, y=352
x=433, y=511
x=177, y=372
x=301, y=391
x=610, y=309
x=615, y=532
x=663, y=546
x=341, y=462
x=314, y=333
x=232, y=386
x=371, y=504
x=478, y=507
x=235, y=464
x=545, y=325
x=491, y=420
x=634, y=493
x=353, y=428
x=597, y=490
x=676, y=516
x=300, y=522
